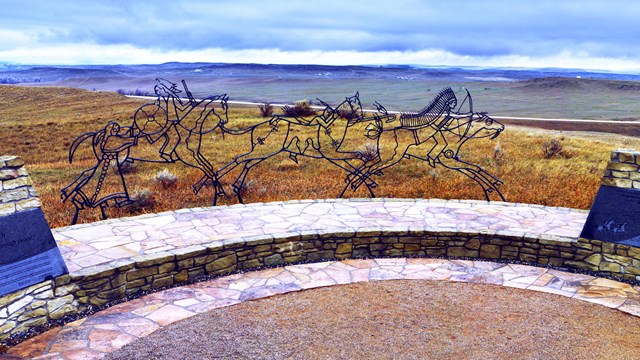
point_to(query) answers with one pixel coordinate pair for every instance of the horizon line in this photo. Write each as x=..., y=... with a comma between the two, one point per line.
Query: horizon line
x=415, y=66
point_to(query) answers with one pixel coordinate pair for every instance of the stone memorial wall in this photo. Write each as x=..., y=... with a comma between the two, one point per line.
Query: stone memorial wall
x=29, y=256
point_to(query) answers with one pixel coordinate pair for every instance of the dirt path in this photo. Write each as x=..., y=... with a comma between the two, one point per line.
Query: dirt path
x=404, y=319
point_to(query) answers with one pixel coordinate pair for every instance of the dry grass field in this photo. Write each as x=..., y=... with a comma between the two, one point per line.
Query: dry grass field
x=39, y=124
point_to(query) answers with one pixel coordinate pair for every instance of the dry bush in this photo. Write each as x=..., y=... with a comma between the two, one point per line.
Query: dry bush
x=246, y=188
x=302, y=108
x=128, y=167
x=499, y=156
x=369, y=151
x=141, y=200
x=346, y=112
x=165, y=179
x=266, y=110
x=552, y=148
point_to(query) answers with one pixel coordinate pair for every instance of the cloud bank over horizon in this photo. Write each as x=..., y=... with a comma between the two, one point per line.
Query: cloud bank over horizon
x=545, y=33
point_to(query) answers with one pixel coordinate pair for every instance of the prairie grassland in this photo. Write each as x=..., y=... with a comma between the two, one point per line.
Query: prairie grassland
x=39, y=124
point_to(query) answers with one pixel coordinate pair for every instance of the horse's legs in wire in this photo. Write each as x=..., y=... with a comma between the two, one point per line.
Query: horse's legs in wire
x=79, y=205
x=376, y=169
x=75, y=216
x=388, y=155
x=437, y=149
x=79, y=182
x=200, y=184
x=489, y=179
x=218, y=190
x=238, y=185
x=357, y=174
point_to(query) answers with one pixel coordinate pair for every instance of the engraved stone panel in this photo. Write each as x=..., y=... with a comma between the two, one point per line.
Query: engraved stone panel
x=28, y=251
x=614, y=216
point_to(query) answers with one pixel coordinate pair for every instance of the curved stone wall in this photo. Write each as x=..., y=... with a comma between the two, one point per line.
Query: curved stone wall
x=99, y=285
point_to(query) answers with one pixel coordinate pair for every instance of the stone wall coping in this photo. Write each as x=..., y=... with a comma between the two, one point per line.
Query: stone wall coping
x=446, y=202
x=358, y=225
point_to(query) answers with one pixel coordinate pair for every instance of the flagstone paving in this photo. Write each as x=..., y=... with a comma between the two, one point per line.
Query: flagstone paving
x=87, y=245
x=100, y=244
x=112, y=328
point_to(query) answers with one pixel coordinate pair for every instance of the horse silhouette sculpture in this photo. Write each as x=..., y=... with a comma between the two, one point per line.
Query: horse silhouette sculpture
x=172, y=128
x=178, y=126
x=435, y=135
x=280, y=134
x=174, y=125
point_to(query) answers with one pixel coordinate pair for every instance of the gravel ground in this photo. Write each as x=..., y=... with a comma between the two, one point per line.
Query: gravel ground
x=404, y=319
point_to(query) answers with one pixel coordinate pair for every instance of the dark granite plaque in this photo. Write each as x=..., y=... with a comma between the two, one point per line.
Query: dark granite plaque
x=28, y=252
x=614, y=216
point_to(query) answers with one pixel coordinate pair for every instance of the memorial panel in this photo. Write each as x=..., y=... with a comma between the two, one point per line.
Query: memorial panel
x=28, y=251
x=614, y=216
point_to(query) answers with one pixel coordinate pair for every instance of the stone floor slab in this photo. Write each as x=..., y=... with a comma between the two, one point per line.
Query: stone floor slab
x=112, y=328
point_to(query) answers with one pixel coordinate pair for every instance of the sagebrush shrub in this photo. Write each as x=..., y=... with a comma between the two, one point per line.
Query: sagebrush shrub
x=346, y=112
x=128, y=167
x=165, y=179
x=245, y=188
x=302, y=108
x=143, y=199
x=369, y=151
x=551, y=148
x=266, y=110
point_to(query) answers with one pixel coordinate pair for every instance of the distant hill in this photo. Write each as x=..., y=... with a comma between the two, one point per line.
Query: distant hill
x=569, y=93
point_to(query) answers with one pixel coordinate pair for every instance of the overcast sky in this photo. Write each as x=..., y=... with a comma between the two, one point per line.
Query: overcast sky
x=591, y=34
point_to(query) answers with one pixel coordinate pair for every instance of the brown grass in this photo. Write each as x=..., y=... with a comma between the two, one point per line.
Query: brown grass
x=39, y=124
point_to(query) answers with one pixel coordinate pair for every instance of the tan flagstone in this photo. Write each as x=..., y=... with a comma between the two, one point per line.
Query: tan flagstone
x=339, y=276
x=613, y=284
x=360, y=275
x=529, y=280
x=78, y=354
x=427, y=275
x=186, y=302
x=612, y=302
x=544, y=280
x=599, y=291
x=168, y=314
x=171, y=305
x=550, y=290
x=147, y=309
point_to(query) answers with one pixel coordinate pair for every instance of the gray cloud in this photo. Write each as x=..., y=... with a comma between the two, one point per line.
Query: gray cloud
x=474, y=28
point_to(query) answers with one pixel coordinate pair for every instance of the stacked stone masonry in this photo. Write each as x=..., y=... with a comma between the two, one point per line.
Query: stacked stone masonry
x=37, y=304
x=623, y=169
x=16, y=190
x=101, y=284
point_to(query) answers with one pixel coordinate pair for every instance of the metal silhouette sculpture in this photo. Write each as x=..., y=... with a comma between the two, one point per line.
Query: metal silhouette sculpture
x=435, y=135
x=174, y=127
x=108, y=146
x=179, y=125
x=280, y=134
x=173, y=124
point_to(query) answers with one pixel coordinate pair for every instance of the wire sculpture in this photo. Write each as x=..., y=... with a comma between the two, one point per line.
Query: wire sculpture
x=435, y=137
x=175, y=126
